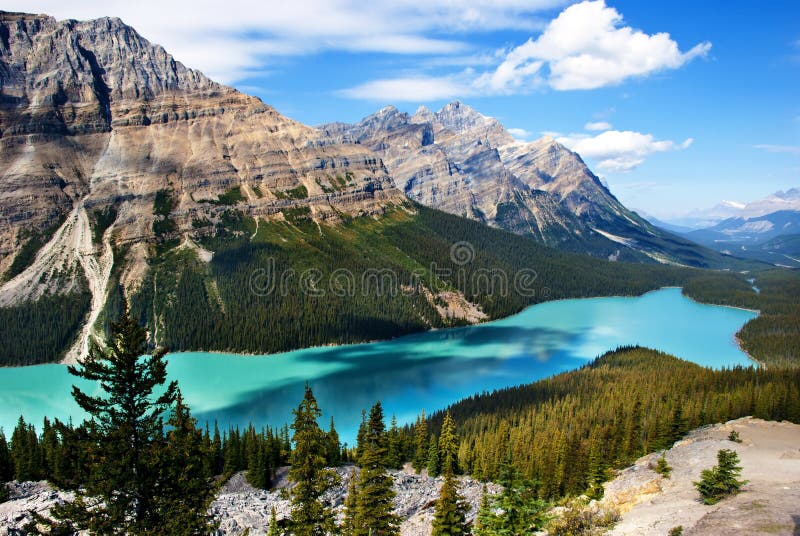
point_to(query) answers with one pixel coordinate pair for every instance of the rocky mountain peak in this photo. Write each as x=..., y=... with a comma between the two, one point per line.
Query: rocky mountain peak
x=422, y=115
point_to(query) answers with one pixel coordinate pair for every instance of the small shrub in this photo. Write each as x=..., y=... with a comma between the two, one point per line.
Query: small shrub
x=721, y=480
x=662, y=467
x=579, y=518
x=734, y=436
x=676, y=531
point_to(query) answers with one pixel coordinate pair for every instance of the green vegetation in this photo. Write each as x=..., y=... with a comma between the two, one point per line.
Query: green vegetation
x=579, y=518
x=734, y=436
x=101, y=220
x=450, y=516
x=631, y=401
x=33, y=240
x=137, y=481
x=721, y=480
x=310, y=516
x=163, y=203
x=299, y=192
x=43, y=330
x=662, y=467
x=231, y=197
x=372, y=514
x=518, y=509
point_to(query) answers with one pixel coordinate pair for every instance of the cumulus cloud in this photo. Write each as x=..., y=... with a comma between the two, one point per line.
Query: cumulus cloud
x=586, y=46
x=232, y=40
x=620, y=151
x=599, y=125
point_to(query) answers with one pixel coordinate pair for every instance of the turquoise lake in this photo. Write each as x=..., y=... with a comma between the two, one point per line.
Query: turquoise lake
x=424, y=371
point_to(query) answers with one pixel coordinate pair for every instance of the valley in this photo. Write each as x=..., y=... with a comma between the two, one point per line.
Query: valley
x=215, y=318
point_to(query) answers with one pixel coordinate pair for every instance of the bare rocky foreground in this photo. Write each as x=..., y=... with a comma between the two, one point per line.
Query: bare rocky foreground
x=240, y=507
x=769, y=504
x=650, y=504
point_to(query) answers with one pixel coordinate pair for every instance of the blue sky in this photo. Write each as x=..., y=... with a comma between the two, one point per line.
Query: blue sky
x=676, y=122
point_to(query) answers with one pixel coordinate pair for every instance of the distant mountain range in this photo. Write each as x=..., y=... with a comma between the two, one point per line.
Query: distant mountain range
x=701, y=219
x=772, y=238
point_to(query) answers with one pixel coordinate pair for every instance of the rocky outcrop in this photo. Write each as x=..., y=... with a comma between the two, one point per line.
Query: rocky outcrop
x=652, y=505
x=240, y=508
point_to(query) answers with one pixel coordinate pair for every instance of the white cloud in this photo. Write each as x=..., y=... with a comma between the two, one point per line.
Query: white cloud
x=791, y=149
x=520, y=134
x=412, y=89
x=587, y=47
x=619, y=151
x=230, y=40
x=599, y=125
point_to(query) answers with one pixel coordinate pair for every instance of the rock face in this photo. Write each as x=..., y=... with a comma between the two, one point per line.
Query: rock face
x=93, y=114
x=465, y=163
x=240, y=508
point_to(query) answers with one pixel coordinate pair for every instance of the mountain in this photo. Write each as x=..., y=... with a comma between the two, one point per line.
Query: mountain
x=769, y=238
x=97, y=123
x=128, y=177
x=465, y=163
x=776, y=202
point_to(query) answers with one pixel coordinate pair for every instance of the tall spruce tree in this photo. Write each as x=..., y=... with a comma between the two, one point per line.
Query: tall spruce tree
x=310, y=517
x=334, y=451
x=450, y=517
x=186, y=488
x=448, y=446
x=6, y=467
x=126, y=432
x=374, y=506
x=434, y=462
x=420, y=460
x=350, y=506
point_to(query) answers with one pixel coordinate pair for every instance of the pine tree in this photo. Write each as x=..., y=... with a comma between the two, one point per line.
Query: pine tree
x=448, y=446
x=484, y=524
x=274, y=530
x=334, y=451
x=350, y=506
x=374, y=515
x=310, y=517
x=24, y=452
x=420, y=460
x=395, y=456
x=662, y=467
x=721, y=480
x=360, y=436
x=6, y=467
x=450, y=517
x=521, y=511
x=434, y=463
x=125, y=435
x=596, y=474
x=186, y=489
